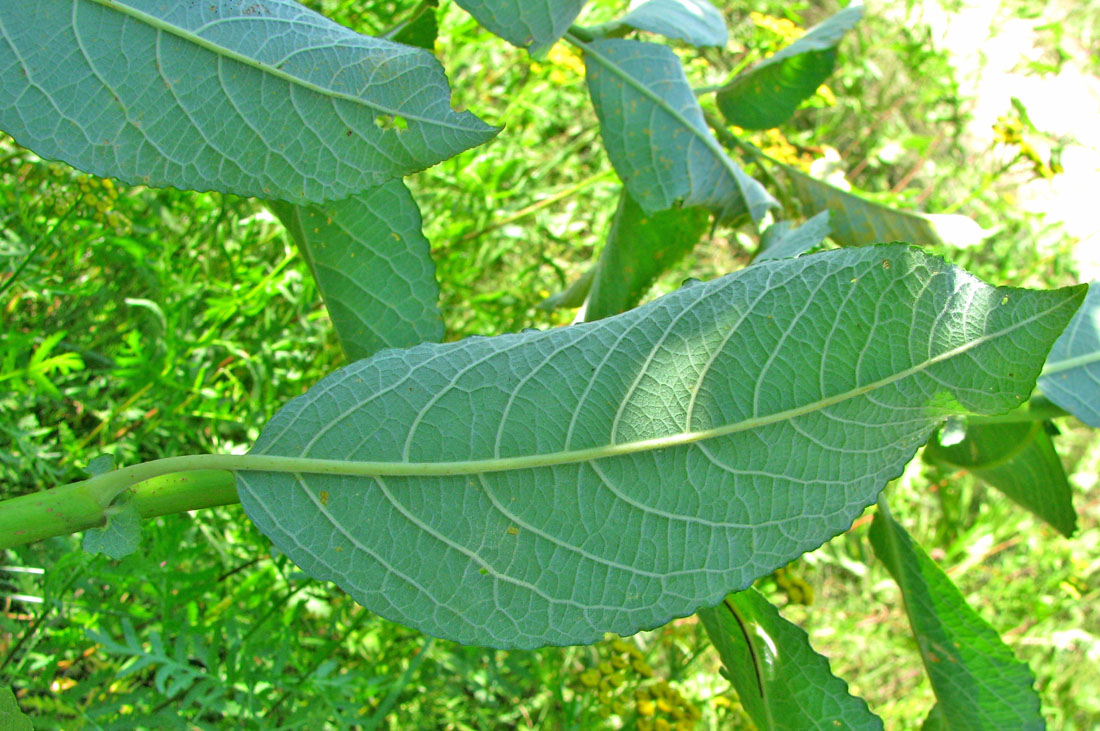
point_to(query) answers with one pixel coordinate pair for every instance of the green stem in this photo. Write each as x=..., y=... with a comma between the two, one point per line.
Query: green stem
x=82, y=505
x=1037, y=409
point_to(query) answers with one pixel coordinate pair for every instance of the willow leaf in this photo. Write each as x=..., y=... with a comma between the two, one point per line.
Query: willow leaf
x=1018, y=459
x=1071, y=377
x=532, y=25
x=373, y=267
x=781, y=681
x=548, y=487
x=697, y=22
x=656, y=137
x=979, y=683
x=267, y=99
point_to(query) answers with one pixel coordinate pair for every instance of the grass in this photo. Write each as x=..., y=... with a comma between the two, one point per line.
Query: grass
x=180, y=323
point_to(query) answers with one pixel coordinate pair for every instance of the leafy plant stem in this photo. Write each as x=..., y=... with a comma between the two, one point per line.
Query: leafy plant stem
x=82, y=505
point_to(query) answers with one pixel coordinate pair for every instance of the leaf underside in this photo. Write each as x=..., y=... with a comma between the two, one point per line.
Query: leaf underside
x=263, y=99
x=1072, y=376
x=697, y=22
x=532, y=25
x=373, y=267
x=608, y=477
x=656, y=136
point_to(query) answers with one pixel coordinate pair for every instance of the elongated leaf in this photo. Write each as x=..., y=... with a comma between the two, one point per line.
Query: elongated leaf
x=373, y=267
x=696, y=21
x=548, y=487
x=1071, y=377
x=1019, y=460
x=767, y=94
x=781, y=241
x=639, y=248
x=532, y=25
x=856, y=221
x=978, y=682
x=266, y=99
x=781, y=681
x=656, y=137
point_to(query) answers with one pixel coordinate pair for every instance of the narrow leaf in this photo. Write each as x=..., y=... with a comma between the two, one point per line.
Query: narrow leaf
x=781, y=241
x=122, y=534
x=640, y=247
x=656, y=137
x=767, y=94
x=856, y=221
x=979, y=684
x=1019, y=460
x=373, y=267
x=264, y=99
x=781, y=681
x=696, y=21
x=1071, y=377
x=548, y=487
x=532, y=25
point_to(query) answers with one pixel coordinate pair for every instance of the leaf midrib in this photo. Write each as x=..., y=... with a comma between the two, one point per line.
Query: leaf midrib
x=161, y=25
x=551, y=459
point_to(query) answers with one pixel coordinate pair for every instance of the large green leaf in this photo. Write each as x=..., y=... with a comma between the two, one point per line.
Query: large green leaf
x=532, y=25
x=547, y=487
x=856, y=221
x=639, y=248
x=1019, y=460
x=1071, y=377
x=781, y=681
x=266, y=99
x=767, y=94
x=978, y=682
x=373, y=267
x=696, y=21
x=656, y=137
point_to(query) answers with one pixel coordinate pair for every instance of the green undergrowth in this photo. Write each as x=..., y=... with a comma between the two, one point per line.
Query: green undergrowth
x=149, y=323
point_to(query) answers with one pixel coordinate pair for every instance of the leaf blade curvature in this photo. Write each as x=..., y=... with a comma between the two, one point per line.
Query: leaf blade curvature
x=264, y=99
x=609, y=476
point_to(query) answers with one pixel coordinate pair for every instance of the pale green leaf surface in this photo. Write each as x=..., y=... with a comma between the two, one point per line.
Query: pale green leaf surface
x=122, y=534
x=373, y=267
x=640, y=247
x=767, y=94
x=11, y=717
x=696, y=21
x=264, y=99
x=547, y=487
x=1019, y=460
x=781, y=681
x=856, y=221
x=978, y=682
x=656, y=137
x=782, y=241
x=532, y=24
x=1071, y=377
